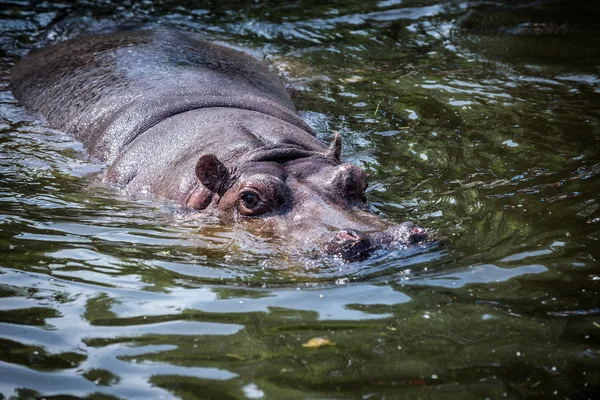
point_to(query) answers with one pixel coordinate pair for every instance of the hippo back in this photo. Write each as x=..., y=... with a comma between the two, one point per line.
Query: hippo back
x=108, y=89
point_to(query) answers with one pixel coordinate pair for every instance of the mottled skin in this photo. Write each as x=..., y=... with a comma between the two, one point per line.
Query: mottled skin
x=206, y=126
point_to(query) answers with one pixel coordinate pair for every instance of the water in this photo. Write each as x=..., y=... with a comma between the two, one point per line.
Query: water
x=479, y=120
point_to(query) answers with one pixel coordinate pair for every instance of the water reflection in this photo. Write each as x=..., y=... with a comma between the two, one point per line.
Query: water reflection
x=477, y=274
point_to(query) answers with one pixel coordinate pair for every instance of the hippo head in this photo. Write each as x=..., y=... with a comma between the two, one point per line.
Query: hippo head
x=307, y=196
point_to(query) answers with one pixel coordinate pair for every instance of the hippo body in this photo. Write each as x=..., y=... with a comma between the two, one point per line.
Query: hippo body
x=207, y=126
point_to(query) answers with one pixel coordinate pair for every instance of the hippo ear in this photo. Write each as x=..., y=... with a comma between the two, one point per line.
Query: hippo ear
x=335, y=150
x=212, y=173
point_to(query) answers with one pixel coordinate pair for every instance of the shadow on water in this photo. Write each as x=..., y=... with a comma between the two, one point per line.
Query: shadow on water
x=478, y=120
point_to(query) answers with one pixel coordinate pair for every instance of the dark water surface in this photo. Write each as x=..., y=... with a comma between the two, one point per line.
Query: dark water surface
x=478, y=120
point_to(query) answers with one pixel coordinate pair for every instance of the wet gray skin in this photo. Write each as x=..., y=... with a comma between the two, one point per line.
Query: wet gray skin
x=206, y=126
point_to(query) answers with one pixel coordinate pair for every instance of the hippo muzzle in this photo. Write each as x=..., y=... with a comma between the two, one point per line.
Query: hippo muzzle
x=354, y=245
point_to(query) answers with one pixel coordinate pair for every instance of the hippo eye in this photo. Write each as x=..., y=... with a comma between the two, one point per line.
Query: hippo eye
x=250, y=200
x=250, y=203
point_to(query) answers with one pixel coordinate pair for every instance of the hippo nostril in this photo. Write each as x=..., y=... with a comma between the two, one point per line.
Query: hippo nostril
x=350, y=235
x=411, y=233
x=349, y=244
x=417, y=230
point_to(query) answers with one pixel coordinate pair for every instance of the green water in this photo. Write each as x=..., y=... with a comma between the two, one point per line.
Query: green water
x=478, y=120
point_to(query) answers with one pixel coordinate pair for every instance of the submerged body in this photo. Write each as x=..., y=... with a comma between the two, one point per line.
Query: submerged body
x=207, y=126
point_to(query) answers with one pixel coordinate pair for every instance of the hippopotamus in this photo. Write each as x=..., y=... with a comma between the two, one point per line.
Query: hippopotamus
x=209, y=127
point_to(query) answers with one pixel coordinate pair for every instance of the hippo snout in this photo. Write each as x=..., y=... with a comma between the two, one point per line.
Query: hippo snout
x=353, y=245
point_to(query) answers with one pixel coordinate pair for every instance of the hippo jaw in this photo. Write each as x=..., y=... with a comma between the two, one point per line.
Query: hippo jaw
x=307, y=197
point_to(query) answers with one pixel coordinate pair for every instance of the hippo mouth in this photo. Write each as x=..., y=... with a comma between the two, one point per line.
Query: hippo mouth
x=354, y=245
